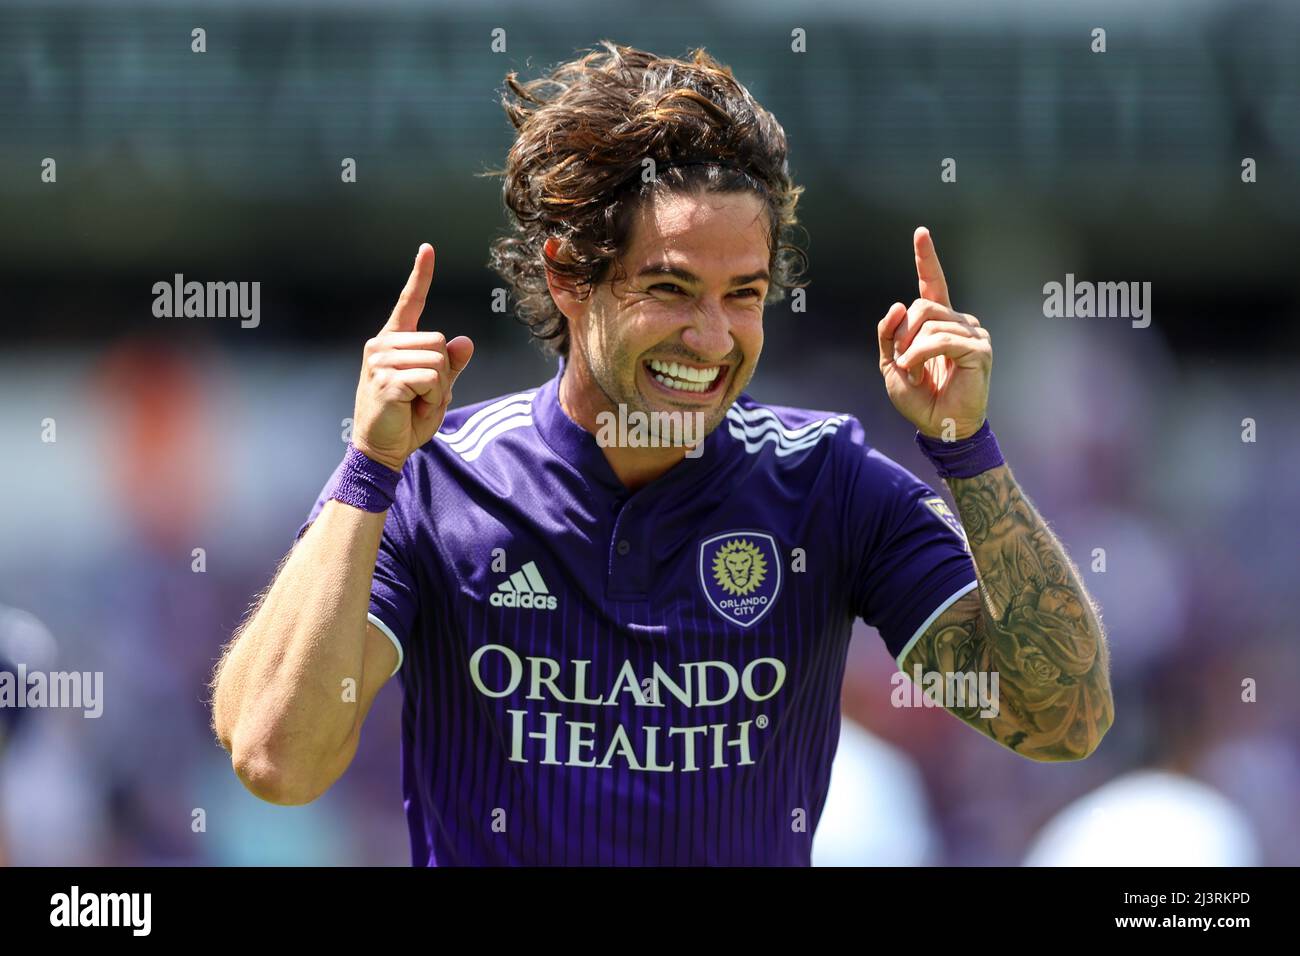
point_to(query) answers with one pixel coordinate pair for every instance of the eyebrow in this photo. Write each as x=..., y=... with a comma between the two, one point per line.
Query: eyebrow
x=663, y=269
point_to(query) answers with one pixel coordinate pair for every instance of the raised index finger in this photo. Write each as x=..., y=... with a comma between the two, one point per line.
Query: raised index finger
x=929, y=273
x=406, y=314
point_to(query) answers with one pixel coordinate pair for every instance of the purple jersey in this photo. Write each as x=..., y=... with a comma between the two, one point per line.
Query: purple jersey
x=602, y=677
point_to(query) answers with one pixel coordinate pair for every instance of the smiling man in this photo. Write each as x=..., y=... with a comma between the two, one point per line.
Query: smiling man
x=628, y=654
x=681, y=334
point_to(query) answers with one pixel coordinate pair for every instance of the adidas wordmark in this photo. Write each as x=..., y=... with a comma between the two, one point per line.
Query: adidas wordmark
x=524, y=588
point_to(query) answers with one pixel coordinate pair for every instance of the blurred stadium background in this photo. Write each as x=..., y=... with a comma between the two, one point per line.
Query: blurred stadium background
x=176, y=434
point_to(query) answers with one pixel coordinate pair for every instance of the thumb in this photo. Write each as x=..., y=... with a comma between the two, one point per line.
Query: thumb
x=459, y=350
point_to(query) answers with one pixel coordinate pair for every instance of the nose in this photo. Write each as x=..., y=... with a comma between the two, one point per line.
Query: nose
x=709, y=333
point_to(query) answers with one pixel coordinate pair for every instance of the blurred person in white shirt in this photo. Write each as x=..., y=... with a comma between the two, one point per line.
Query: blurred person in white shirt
x=1147, y=818
x=877, y=812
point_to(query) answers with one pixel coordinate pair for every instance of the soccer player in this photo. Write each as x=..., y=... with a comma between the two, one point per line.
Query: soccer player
x=616, y=649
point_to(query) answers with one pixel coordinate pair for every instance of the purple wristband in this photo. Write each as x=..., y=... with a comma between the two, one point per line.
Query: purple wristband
x=965, y=457
x=363, y=483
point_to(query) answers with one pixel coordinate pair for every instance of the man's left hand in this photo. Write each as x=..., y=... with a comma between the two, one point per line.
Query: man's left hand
x=935, y=361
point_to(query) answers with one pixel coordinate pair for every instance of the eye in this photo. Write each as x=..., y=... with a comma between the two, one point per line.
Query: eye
x=670, y=286
x=750, y=293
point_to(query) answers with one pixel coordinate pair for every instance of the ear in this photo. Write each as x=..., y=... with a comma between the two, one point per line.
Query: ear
x=562, y=293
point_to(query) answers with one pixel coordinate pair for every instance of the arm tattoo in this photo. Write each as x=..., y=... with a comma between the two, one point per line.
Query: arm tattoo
x=1031, y=622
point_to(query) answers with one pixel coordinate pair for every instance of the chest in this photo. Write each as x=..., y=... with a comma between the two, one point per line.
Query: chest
x=659, y=587
x=657, y=638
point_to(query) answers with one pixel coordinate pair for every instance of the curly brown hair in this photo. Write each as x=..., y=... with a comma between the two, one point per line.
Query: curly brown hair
x=576, y=168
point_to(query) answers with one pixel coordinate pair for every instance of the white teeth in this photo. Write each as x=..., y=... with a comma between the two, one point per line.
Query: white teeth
x=681, y=386
x=680, y=376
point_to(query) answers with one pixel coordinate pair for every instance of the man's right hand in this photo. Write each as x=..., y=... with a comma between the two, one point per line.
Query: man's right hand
x=406, y=376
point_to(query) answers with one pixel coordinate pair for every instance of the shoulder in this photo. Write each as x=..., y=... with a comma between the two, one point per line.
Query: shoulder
x=787, y=438
x=468, y=432
x=784, y=433
x=477, y=446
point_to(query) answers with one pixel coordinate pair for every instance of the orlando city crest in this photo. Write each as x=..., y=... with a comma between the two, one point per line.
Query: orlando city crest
x=740, y=572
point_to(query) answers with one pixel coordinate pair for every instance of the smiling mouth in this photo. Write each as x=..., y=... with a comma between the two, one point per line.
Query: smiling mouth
x=685, y=380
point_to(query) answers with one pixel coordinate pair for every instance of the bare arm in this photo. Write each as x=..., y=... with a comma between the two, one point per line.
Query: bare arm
x=281, y=702
x=1031, y=622
x=295, y=683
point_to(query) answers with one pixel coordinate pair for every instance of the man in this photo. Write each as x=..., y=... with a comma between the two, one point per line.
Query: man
x=616, y=651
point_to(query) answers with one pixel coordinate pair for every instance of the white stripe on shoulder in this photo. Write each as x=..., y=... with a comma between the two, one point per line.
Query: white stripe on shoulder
x=518, y=420
x=759, y=419
x=755, y=427
x=785, y=435
x=462, y=443
x=483, y=419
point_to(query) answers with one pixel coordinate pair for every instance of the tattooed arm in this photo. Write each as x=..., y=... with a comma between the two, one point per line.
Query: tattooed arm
x=1031, y=622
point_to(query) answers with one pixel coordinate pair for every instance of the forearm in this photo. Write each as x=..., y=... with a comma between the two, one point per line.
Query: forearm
x=278, y=703
x=1039, y=630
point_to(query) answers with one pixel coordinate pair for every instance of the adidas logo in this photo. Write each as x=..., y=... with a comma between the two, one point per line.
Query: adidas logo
x=524, y=588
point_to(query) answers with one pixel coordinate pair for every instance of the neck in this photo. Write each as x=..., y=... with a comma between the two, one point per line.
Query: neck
x=582, y=401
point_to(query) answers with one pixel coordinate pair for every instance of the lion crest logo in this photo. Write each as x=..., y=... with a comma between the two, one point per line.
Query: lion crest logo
x=739, y=567
x=740, y=572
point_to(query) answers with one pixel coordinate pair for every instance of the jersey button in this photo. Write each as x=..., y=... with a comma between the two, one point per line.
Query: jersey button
x=623, y=547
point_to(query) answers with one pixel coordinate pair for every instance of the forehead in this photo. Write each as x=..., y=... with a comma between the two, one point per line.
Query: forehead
x=704, y=233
